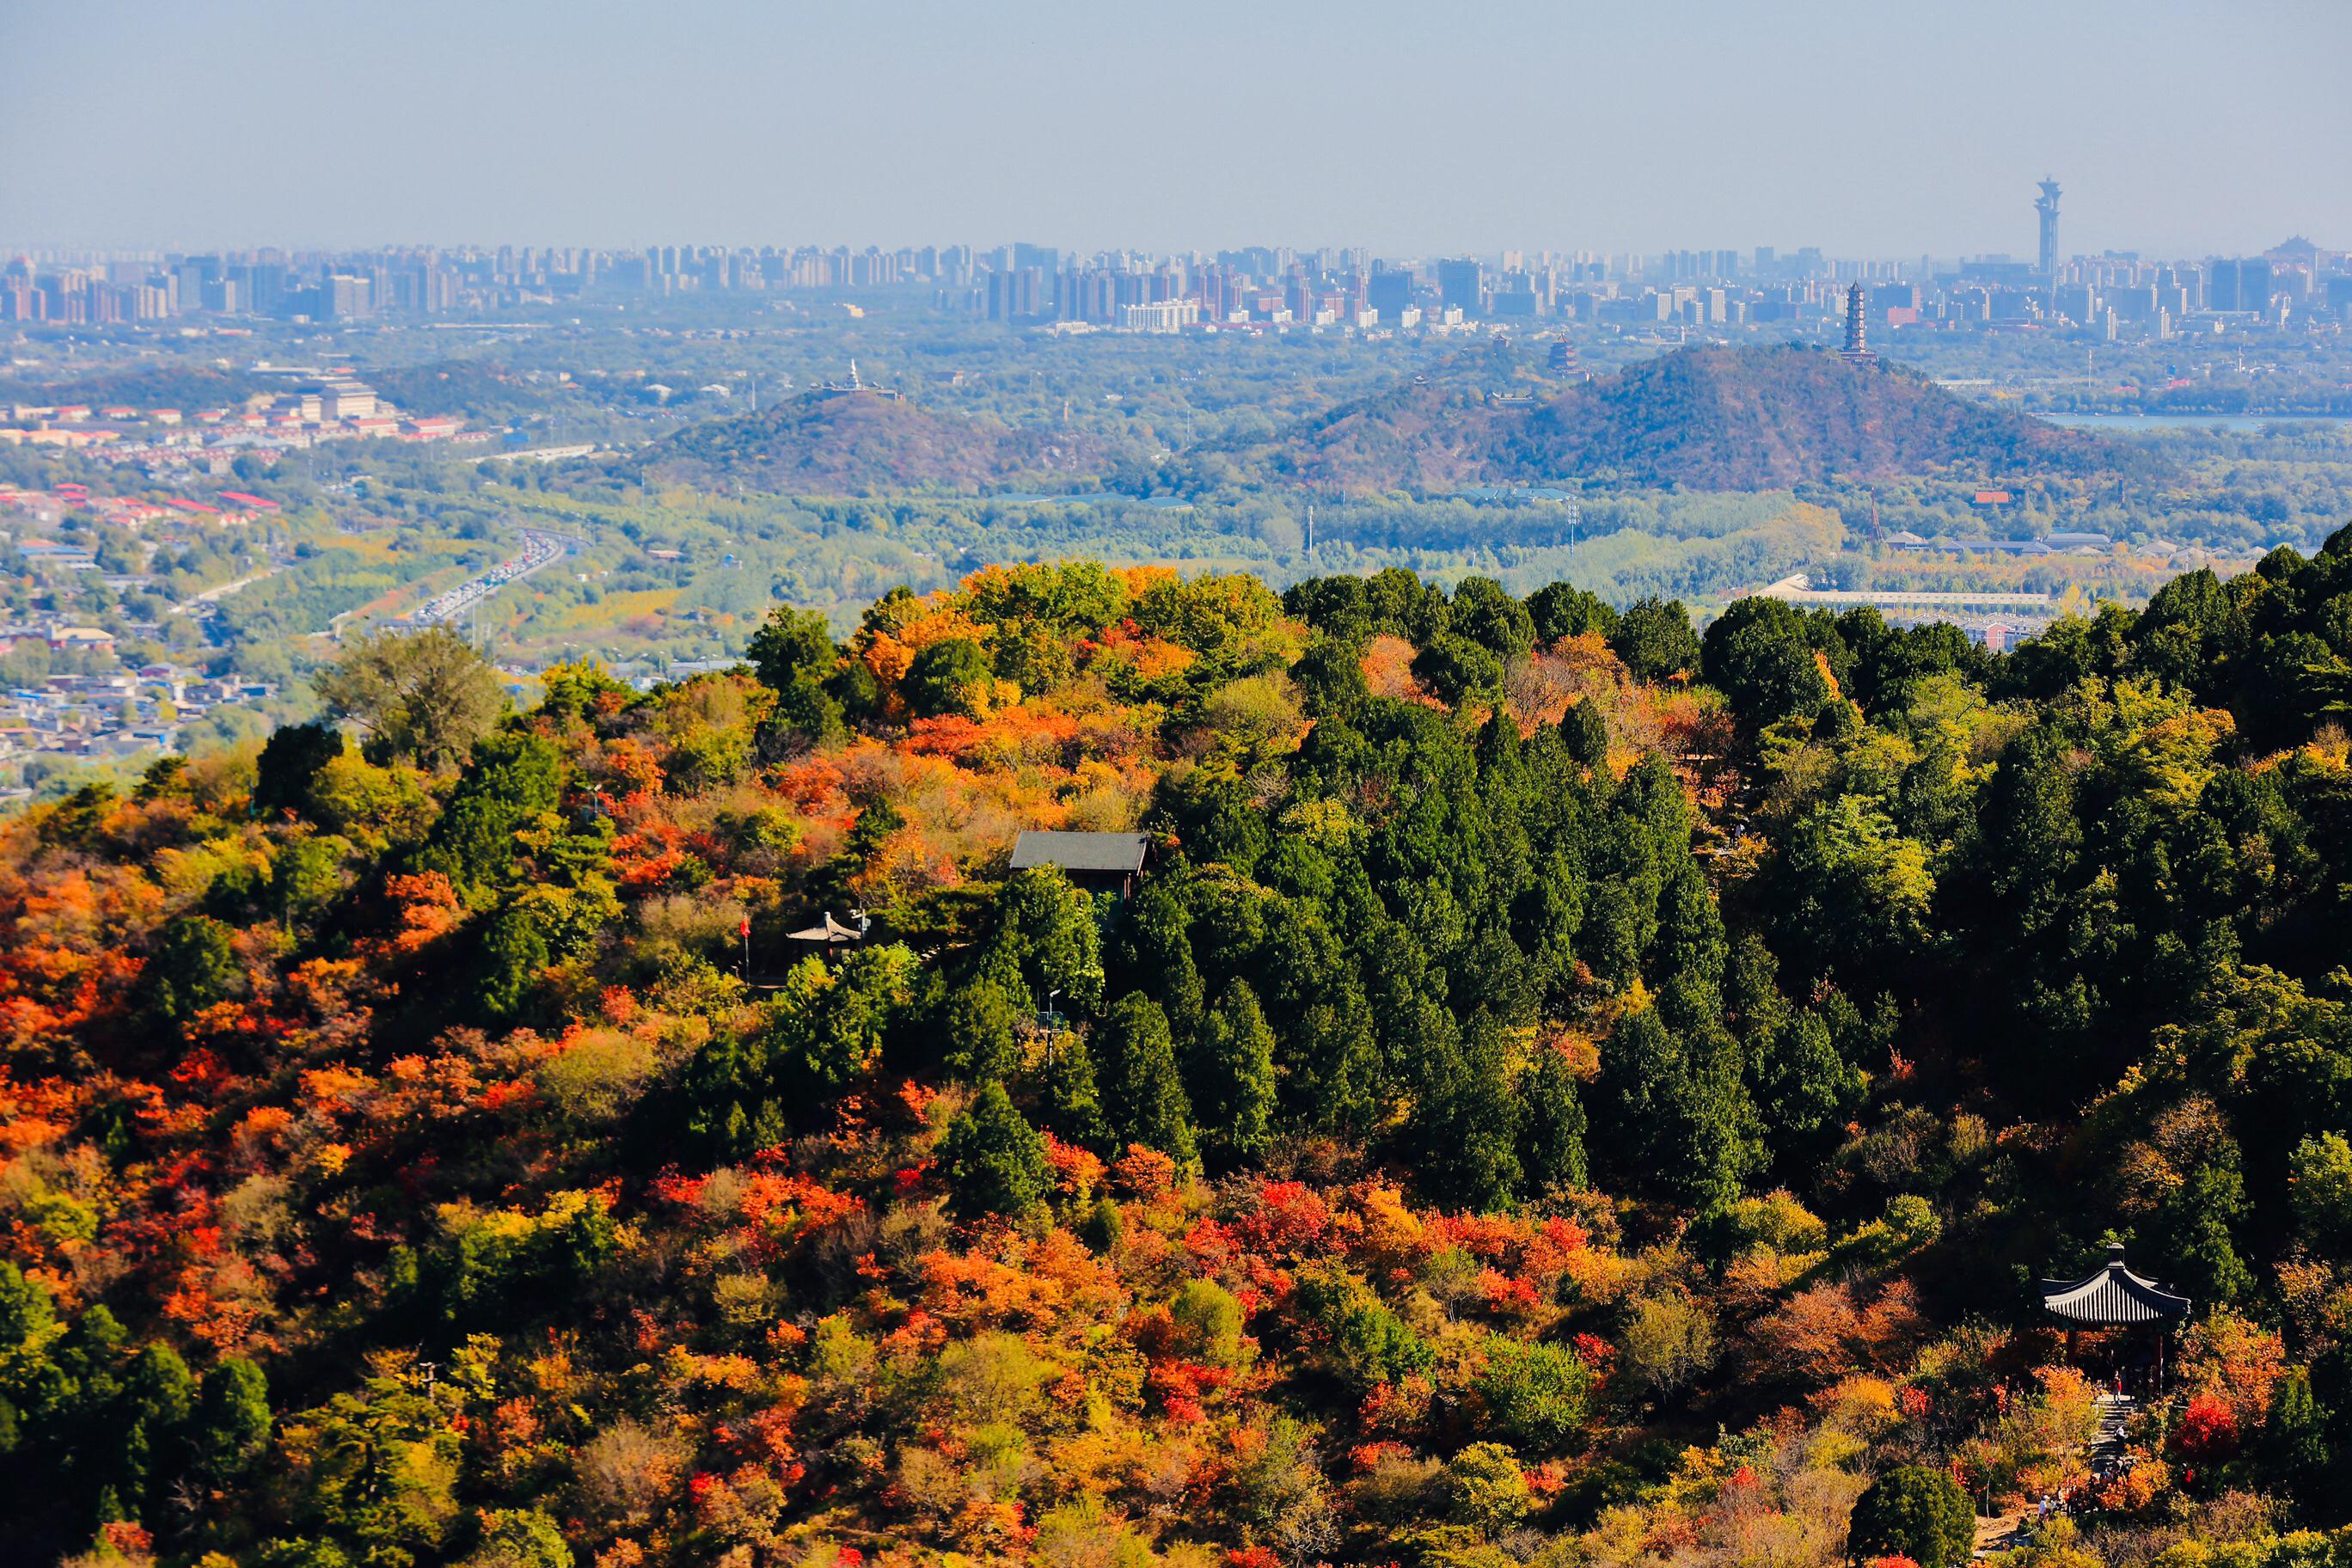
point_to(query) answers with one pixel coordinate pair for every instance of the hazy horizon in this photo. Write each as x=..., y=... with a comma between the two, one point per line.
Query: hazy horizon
x=2176, y=131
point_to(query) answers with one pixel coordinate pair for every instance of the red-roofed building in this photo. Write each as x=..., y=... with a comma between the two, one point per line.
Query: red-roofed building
x=250, y=502
x=183, y=504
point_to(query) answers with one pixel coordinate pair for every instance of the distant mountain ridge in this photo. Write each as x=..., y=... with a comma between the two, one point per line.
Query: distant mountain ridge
x=847, y=442
x=1705, y=418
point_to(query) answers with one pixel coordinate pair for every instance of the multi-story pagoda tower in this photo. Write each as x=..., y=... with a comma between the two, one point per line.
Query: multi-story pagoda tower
x=1857, y=332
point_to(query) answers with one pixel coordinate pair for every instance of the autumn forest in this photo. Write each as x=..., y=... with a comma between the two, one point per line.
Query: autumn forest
x=1567, y=1088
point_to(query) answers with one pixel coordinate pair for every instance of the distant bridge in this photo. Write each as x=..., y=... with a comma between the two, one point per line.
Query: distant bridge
x=532, y=455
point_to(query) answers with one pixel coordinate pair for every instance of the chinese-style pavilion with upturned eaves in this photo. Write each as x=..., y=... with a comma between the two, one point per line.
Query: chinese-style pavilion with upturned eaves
x=2113, y=1296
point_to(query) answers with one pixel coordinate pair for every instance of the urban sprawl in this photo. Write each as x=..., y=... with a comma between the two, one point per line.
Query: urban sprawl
x=127, y=680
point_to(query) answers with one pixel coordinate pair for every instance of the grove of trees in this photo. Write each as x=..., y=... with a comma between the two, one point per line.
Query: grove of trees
x=1570, y=1089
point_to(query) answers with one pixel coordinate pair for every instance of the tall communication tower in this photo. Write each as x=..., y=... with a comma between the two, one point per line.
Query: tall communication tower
x=2045, y=206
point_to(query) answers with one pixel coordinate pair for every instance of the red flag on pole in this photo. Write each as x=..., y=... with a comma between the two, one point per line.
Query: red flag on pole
x=745, y=929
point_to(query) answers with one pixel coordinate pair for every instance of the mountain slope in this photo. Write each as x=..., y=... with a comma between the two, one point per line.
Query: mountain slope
x=1709, y=418
x=832, y=443
x=1755, y=419
x=1420, y=436
x=397, y=1169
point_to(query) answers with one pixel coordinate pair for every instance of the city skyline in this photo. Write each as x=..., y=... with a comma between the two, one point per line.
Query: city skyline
x=245, y=122
x=2294, y=286
x=2047, y=251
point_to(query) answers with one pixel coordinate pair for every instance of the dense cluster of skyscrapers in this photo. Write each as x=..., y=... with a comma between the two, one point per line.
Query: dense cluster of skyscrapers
x=2111, y=295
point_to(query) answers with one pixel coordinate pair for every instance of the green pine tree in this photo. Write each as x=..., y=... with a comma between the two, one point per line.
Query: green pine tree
x=995, y=1162
x=1142, y=1093
x=1468, y=1125
x=1065, y=1080
x=233, y=1421
x=1551, y=1127
x=1231, y=1079
x=1587, y=734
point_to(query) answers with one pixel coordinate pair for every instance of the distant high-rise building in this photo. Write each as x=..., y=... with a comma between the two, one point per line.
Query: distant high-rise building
x=2237, y=285
x=1024, y=294
x=343, y=295
x=2046, y=207
x=1460, y=283
x=2257, y=281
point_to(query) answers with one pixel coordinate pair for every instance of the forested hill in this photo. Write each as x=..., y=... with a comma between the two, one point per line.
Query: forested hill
x=1709, y=418
x=849, y=443
x=1705, y=418
x=1568, y=1092
x=184, y=386
x=1725, y=419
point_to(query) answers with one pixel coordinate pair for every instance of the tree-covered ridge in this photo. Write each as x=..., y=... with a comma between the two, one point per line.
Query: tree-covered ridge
x=1570, y=1090
x=854, y=443
x=1707, y=418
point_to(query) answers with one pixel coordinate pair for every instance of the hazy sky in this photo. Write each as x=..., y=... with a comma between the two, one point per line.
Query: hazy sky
x=1885, y=128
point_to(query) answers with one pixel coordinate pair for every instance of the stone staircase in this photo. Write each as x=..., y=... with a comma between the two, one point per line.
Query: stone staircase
x=2115, y=1411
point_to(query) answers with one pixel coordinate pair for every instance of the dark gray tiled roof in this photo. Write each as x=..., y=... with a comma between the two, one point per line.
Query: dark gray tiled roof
x=2112, y=1297
x=1080, y=851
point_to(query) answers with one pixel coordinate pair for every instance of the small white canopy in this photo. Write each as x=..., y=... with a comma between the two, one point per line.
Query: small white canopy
x=829, y=931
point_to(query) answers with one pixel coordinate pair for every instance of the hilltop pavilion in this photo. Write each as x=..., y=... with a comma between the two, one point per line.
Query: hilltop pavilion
x=2113, y=1296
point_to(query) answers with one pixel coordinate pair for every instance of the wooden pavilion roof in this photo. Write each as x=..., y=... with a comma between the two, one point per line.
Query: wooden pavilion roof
x=2111, y=1296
